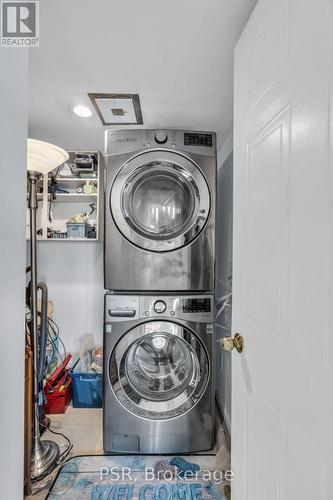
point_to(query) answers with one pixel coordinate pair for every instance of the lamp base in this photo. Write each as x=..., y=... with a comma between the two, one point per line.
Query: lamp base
x=43, y=457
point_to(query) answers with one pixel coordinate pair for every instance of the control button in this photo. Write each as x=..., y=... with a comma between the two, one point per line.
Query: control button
x=147, y=313
x=172, y=313
x=159, y=306
x=161, y=137
x=173, y=144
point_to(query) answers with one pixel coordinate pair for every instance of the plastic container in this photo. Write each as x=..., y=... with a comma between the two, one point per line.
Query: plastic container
x=75, y=230
x=87, y=389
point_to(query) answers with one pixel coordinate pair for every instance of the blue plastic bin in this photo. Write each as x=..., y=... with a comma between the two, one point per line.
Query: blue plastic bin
x=87, y=390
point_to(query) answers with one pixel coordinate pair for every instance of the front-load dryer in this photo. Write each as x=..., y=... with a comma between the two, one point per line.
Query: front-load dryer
x=159, y=210
x=158, y=374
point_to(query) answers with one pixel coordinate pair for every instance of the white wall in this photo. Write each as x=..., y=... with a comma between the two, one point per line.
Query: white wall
x=13, y=145
x=73, y=272
x=224, y=273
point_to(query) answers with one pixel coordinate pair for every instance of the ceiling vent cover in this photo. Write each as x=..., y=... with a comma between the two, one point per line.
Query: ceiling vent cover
x=117, y=109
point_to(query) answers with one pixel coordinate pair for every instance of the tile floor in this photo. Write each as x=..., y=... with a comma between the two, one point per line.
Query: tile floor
x=84, y=428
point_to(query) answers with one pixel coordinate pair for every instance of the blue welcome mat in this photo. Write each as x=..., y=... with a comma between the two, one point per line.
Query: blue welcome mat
x=134, y=477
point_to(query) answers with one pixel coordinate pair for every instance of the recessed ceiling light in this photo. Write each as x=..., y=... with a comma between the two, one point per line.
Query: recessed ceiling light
x=82, y=111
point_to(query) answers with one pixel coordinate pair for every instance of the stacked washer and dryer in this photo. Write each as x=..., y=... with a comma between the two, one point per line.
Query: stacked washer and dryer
x=159, y=306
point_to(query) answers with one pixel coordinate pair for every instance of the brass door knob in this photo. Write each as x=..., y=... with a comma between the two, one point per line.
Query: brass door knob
x=229, y=343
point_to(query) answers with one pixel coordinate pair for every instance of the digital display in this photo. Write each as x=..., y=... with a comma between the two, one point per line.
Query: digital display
x=198, y=140
x=196, y=305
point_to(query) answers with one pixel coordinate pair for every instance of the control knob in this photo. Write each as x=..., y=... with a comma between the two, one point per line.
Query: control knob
x=161, y=137
x=159, y=306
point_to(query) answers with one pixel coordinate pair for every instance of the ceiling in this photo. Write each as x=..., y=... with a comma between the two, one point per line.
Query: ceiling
x=176, y=54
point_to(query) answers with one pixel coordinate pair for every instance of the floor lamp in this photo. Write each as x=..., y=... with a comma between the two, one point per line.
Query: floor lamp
x=42, y=157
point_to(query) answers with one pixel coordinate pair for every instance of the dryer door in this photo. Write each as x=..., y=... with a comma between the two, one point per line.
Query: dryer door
x=160, y=200
x=159, y=370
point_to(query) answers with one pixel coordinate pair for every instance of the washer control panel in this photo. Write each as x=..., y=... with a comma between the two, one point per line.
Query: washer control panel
x=195, y=305
x=197, y=308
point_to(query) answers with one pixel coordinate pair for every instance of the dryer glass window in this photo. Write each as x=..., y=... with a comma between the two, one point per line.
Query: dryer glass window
x=159, y=201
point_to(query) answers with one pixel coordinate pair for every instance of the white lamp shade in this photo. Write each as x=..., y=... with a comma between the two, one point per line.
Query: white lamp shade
x=44, y=157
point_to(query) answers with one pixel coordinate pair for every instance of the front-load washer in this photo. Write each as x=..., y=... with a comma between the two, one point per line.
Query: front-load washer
x=158, y=374
x=159, y=210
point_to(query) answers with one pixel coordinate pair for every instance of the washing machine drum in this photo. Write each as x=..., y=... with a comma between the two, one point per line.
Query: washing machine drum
x=159, y=370
x=160, y=201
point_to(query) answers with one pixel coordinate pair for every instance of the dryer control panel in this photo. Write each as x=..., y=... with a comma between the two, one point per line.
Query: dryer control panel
x=197, y=308
x=187, y=141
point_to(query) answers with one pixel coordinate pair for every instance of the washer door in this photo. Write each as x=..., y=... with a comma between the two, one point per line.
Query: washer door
x=159, y=370
x=160, y=200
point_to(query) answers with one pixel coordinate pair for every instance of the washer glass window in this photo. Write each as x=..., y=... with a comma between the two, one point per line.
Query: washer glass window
x=159, y=370
x=160, y=366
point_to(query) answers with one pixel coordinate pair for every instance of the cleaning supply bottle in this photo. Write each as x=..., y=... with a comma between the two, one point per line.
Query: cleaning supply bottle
x=87, y=188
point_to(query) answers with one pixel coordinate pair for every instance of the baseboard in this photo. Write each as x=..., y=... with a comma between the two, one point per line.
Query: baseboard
x=224, y=424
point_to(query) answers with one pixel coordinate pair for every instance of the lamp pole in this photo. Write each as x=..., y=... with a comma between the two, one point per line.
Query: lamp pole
x=44, y=453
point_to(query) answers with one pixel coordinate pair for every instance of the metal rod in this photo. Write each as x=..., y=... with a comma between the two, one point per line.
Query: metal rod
x=33, y=204
x=41, y=287
x=44, y=454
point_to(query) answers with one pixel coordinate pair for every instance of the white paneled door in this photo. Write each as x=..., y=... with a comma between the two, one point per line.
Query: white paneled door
x=282, y=399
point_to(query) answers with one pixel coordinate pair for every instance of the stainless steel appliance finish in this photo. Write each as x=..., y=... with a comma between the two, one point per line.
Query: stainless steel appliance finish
x=158, y=373
x=160, y=210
